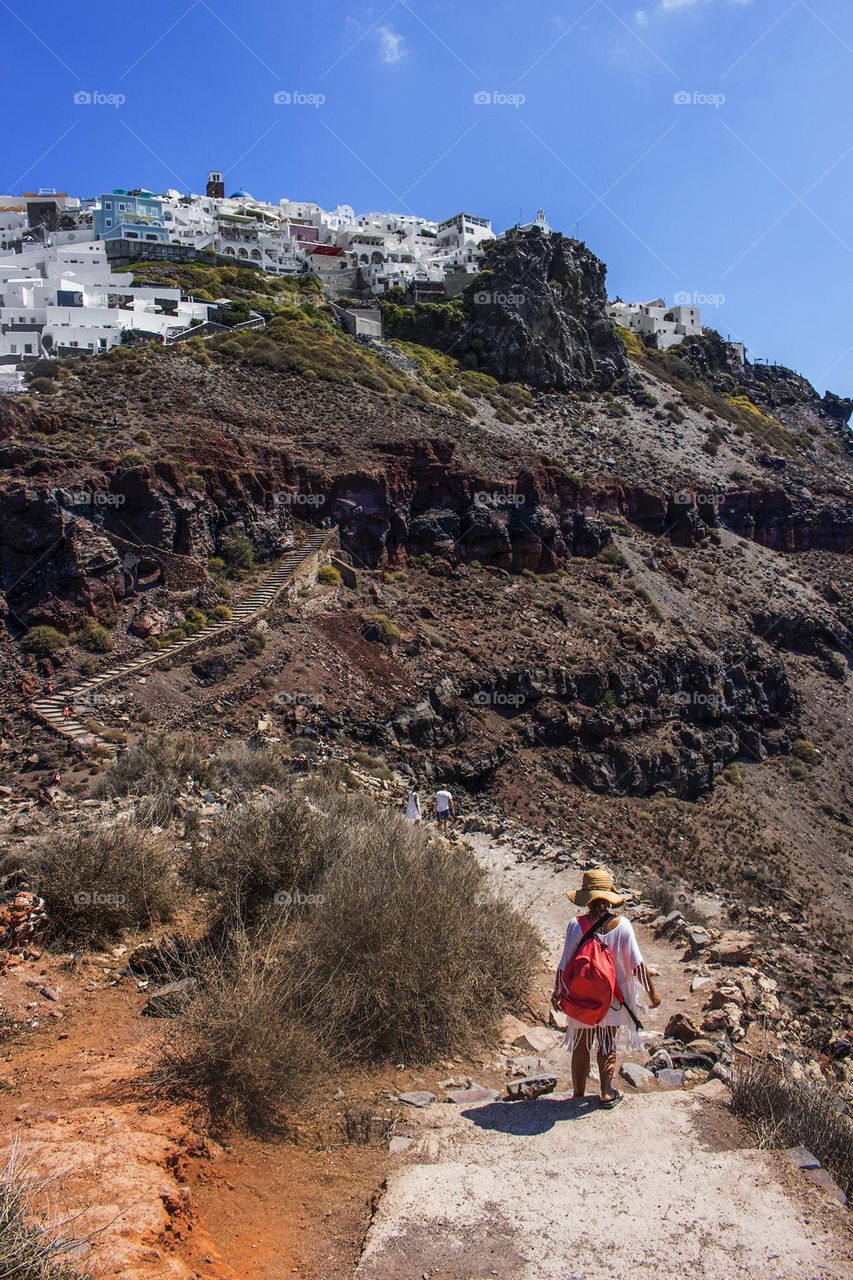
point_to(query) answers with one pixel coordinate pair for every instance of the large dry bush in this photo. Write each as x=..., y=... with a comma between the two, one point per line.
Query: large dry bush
x=154, y=770
x=244, y=1050
x=104, y=879
x=787, y=1110
x=269, y=851
x=417, y=958
x=32, y=1248
x=343, y=933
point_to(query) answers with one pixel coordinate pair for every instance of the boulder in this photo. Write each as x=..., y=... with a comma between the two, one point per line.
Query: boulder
x=681, y=1027
x=802, y=1158
x=530, y=1087
x=638, y=1077
x=536, y=1040
x=671, y=1079
x=417, y=1098
x=733, y=948
x=477, y=1093
x=660, y=1061
x=510, y=1029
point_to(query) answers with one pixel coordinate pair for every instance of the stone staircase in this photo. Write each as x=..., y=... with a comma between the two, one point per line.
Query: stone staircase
x=50, y=710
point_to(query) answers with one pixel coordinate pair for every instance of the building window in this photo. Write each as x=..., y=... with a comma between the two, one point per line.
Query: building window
x=108, y=222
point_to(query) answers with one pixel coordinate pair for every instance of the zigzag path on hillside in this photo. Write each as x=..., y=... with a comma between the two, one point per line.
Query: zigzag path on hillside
x=50, y=709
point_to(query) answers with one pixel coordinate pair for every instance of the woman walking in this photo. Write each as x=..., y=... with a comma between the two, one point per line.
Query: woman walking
x=596, y=984
x=413, y=806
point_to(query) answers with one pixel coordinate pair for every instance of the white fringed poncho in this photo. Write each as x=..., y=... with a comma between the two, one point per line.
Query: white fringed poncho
x=621, y=942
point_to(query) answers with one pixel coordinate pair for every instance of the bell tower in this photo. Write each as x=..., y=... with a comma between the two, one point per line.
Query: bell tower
x=215, y=185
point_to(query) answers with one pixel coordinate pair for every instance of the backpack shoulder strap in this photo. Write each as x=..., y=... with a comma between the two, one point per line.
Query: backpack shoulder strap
x=591, y=929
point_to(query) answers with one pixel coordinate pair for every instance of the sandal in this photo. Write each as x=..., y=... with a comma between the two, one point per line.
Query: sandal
x=608, y=1104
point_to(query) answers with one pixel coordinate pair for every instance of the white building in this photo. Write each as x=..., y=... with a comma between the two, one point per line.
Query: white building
x=55, y=298
x=459, y=240
x=667, y=325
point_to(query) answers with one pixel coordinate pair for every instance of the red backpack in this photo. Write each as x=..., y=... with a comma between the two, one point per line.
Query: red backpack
x=588, y=986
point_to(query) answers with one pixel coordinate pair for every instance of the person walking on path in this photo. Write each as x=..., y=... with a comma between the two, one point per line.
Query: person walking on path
x=413, y=806
x=66, y=713
x=600, y=954
x=445, y=809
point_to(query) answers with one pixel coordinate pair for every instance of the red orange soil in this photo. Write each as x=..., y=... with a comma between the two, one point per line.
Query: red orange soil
x=163, y=1200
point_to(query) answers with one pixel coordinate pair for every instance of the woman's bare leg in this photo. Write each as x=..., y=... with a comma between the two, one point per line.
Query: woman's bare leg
x=580, y=1065
x=606, y=1061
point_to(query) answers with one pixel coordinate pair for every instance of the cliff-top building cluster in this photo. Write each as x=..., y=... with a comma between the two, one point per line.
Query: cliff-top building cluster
x=61, y=289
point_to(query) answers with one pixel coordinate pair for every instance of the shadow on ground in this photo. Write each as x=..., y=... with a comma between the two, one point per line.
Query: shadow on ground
x=524, y=1119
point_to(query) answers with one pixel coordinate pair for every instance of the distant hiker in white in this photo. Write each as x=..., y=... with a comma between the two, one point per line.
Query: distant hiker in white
x=445, y=809
x=413, y=806
x=596, y=984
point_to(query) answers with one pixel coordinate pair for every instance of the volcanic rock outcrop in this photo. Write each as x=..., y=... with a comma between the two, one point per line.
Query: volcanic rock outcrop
x=536, y=315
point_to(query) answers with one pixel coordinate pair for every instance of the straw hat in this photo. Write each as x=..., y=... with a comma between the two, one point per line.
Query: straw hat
x=596, y=884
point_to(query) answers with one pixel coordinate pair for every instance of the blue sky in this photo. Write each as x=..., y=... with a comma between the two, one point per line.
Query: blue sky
x=737, y=193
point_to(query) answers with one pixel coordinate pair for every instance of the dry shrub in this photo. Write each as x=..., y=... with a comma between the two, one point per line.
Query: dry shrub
x=101, y=880
x=418, y=958
x=241, y=766
x=277, y=846
x=244, y=1049
x=789, y=1111
x=666, y=897
x=359, y=1125
x=154, y=769
x=383, y=944
x=31, y=1248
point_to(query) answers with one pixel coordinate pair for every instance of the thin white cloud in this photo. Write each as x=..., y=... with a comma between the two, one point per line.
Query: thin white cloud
x=678, y=6
x=641, y=18
x=392, y=46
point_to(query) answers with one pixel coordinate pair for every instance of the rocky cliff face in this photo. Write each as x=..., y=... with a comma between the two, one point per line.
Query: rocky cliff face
x=536, y=314
x=67, y=550
x=670, y=721
x=781, y=392
x=71, y=550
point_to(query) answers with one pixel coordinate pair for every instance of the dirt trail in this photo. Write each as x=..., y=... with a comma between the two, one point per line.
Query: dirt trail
x=666, y=1186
